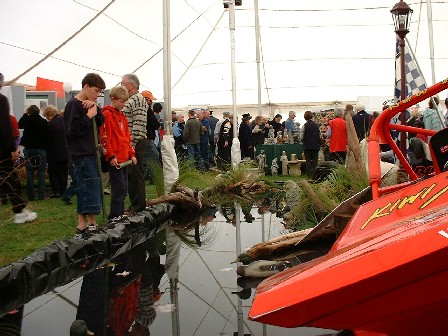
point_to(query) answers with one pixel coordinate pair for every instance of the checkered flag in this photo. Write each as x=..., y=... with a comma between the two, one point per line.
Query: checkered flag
x=415, y=82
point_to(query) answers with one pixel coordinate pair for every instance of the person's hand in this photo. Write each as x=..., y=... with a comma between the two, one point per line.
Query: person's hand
x=92, y=111
x=88, y=104
x=15, y=155
x=114, y=162
x=134, y=160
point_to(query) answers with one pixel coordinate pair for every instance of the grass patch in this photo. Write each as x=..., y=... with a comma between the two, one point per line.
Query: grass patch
x=57, y=221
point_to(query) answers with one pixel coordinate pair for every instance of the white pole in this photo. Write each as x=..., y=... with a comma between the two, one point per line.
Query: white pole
x=236, y=151
x=431, y=39
x=167, y=65
x=257, y=54
x=169, y=158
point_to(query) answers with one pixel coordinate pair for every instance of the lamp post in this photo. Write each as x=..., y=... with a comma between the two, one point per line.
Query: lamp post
x=401, y=14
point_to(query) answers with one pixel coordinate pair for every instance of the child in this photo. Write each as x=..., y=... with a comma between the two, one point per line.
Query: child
x=78, y=124
x=116, y=146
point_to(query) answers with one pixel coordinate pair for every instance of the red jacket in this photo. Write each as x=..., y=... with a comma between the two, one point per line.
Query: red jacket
x=115, y=136
x=339, y=138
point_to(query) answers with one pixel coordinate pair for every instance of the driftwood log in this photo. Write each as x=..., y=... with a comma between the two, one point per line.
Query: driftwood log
x=183, y=197
x=273, y=248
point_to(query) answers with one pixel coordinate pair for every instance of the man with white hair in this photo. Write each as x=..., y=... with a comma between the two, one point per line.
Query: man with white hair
x=135, y=111
x=290, y=124
x=361, y=120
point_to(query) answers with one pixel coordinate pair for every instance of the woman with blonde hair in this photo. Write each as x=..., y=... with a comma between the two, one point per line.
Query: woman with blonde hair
x=57, y=153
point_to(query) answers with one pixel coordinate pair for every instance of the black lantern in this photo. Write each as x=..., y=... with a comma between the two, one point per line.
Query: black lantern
x=237, y=3
x=401, y=14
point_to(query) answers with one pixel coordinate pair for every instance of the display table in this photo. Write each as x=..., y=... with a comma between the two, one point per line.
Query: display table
x=273, y=151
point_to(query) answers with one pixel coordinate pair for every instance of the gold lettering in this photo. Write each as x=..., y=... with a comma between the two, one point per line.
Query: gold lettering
x=409, y=200
x=433, y=198
x=401, y=202
x=377, y=214
x=395, y=205
x=428, y=190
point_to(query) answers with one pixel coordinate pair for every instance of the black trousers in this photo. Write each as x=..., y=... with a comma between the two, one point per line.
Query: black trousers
x=136, y=186
x=58, y=176
x=10, y=183
x=119, y=188
x=311, y=157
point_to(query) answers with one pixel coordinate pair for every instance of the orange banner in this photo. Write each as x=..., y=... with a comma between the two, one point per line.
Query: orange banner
x=43, y=84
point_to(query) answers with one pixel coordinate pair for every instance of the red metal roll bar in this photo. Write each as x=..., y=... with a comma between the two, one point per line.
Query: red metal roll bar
x=380, y=131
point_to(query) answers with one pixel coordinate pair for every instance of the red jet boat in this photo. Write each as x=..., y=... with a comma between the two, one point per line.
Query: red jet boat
x=387, y=273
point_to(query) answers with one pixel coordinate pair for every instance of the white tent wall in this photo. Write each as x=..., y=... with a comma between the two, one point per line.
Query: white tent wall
x=319, y=51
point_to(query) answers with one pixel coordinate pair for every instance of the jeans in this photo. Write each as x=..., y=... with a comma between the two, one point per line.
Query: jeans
x=72, y=188
x=152, y=159
x=89, y=188
x=194, y=156
x=204, y=148
x=35, y=159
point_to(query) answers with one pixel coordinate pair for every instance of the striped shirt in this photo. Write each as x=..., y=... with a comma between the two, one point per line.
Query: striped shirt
x=135, y=111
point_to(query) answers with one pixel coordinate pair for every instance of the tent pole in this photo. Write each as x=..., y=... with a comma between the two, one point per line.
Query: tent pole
x=236, y=151
x=257, y=51
x=167, y=65
x=431, y=39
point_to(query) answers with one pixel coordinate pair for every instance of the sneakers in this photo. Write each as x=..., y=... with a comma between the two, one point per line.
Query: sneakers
x=82, y=234
x=106, y=191
x=24, y=216
x=87, y=232
x=117, y=219
x=66, y=200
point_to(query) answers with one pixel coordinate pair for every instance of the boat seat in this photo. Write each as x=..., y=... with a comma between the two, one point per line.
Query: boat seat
x=438, y=145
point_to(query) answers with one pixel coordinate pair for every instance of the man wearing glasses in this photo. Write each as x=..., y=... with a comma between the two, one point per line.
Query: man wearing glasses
x=135, y=110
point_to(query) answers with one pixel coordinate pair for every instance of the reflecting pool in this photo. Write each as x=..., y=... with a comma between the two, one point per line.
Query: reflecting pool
x=179, y=282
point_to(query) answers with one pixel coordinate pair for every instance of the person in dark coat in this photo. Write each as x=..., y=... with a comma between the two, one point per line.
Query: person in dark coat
x=205, y=138
x=179, y=144
x=35, y=142
x=212, y=149
x=8, y=154
x=361, y=121
x=311, y=143
x=245, y=137
x=152, y=159
x=192, y=137
x=258, y=128
x=225, y=140
x=57, y=154
x=276, y=124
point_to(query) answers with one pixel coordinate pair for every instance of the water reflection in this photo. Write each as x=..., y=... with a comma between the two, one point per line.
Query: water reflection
x=179, y=282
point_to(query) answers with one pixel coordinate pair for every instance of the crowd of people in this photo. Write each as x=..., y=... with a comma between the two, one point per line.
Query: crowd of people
x=129, y=132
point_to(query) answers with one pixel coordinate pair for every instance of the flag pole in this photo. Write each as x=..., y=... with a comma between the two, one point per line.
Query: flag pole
x=421, y=73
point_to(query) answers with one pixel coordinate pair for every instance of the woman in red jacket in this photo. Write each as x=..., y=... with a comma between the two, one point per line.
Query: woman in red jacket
x=337, y=132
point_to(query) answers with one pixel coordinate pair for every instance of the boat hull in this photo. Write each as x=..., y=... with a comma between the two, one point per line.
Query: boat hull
x=392, y=284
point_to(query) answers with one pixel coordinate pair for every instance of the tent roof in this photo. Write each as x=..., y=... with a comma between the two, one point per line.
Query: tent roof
x=311, y=50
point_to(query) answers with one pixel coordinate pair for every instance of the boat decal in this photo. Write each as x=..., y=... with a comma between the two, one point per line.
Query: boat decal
x=399, y=204
x=443, y=233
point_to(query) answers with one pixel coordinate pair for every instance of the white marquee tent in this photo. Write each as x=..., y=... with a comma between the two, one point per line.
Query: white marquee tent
x=320, y=50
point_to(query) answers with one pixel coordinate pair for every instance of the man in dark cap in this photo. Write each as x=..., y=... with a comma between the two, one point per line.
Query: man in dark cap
x=245, y=137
